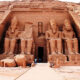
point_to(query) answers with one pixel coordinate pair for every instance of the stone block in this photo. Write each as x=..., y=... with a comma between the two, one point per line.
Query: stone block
x=72, y=59
x=30, y=58
x=52, y=59
x=21, y=60
x=77, y=59
x=7, y=63
x=61, y=59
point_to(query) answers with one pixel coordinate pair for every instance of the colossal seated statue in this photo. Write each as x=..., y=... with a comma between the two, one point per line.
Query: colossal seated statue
x=11, y=36
x=53, y=36
x=70, y=38
x=26, y=38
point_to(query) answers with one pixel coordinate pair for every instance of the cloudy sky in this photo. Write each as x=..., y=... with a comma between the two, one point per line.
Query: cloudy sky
x=60, y=0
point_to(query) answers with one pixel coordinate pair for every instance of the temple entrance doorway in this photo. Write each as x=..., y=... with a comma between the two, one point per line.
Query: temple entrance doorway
x=40, y=54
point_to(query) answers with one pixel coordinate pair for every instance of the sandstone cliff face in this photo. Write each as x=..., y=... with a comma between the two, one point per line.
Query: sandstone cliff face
x=39, y=13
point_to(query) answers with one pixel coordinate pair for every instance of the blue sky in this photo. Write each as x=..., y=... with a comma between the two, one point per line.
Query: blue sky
x=60, y=0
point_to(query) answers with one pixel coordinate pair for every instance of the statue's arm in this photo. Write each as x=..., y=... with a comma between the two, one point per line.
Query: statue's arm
x=47, y=35
x=59, y=35
x=8, y=33
x=63, y=35
x=17, y=33
x=74, y=35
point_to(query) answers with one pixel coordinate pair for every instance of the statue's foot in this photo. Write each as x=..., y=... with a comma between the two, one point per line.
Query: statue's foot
x=11, y=55
x=53, y=52
x=5, y=53
x=22, y=53
x=76, y=53
x=59, y=53
x=71, y=53
x=28, y=53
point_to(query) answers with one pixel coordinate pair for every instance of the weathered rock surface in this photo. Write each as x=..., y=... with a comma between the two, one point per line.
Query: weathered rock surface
x=21, y=60
x=7, y=63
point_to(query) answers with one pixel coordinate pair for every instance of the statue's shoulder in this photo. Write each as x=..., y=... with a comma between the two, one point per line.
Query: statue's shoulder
x=63, y=31
x=48, y=31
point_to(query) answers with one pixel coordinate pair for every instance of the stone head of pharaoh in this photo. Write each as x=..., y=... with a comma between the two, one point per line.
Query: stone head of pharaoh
x=67, y=25
x=14, y=23
x=53, y=26
x=28, y=26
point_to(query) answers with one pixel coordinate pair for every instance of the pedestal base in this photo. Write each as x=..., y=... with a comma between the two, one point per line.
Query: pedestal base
x=74, y=59
x=57, y=59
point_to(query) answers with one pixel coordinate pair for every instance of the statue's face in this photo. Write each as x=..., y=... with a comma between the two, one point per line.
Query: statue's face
x=67, y=25
x=53, y=26
x=14, y=21
x=13, y=28
x=13, y=24
x=27, y=26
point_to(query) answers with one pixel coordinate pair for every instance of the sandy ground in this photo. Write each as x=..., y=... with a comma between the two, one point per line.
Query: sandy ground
x=41, y=71
x=11, y=73
x=69, y=72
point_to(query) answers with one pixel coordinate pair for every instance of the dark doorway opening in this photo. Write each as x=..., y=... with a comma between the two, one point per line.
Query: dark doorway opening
x=40, y=54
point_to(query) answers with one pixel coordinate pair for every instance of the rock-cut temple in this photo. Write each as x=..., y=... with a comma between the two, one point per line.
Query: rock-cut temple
x=39, y=31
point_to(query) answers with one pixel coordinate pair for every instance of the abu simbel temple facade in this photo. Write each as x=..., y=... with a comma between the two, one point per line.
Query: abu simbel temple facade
x=39, y=31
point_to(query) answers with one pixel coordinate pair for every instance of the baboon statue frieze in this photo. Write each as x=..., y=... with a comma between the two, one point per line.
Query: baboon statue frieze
x=26, y=38
x=70, y=38
x=53, y=36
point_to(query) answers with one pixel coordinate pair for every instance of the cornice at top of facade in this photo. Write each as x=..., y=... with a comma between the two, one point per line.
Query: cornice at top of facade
x=36, y=5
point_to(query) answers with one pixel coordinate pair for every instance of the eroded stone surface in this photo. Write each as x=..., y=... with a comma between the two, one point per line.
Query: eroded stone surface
x=21, y=60
x=27, y=26
x=8, y=63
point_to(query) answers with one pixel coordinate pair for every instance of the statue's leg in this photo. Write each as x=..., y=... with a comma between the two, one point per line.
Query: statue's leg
x=70, y=46
x=29, y=46
x=75, y=45
x=6, y=45
x=23, y=46
x=12, y=46
x=59, y=46
x=48, y=47
x=53, y=46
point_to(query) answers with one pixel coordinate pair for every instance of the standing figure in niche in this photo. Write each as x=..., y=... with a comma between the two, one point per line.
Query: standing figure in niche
x=70, y=38
x=11, y=36
x=26, y=39
x=54, y=38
